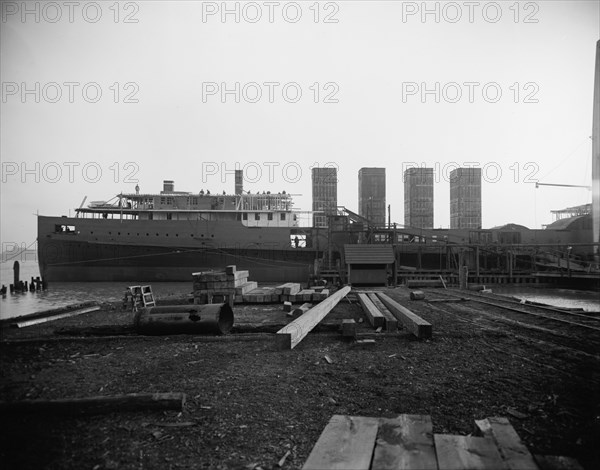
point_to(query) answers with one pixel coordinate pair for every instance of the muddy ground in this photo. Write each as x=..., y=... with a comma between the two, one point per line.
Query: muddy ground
x=248, y=403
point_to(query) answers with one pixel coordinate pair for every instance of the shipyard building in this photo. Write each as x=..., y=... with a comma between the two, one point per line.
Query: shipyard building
x=418, y=197
x=371, y=194
x=324, y=194
x=465, y=198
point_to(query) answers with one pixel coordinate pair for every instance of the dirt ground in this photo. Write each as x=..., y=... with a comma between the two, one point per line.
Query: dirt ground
x=248, y=403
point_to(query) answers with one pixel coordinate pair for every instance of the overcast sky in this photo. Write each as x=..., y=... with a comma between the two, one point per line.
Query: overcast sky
x=97, y=96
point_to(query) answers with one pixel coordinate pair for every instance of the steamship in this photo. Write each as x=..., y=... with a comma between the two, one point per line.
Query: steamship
x=168, y=235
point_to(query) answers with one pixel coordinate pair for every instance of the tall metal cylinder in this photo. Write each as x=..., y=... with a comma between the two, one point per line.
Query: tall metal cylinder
x=184, y=319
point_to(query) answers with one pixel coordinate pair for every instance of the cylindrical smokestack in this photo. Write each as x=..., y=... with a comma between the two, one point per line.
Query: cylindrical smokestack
x=168, y=186
x=239, y=181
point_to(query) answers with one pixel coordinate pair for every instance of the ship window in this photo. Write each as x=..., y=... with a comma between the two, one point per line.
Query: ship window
x=245, y=216
x=176, y=234
x=257, y=216
x=147, y=234
x=283, y=216
x=150, y=216
x=169, y=216
x=110, y=233
x=157, y=234
x=91, y=233
x=270, y=216
x=169, y=200
x=118, y=233
x=162, y=200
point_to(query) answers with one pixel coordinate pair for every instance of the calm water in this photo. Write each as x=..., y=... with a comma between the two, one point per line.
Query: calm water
x=588, y=300
x=60, y=294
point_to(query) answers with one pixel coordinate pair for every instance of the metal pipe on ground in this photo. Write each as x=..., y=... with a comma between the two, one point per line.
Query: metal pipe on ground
x=184, y=319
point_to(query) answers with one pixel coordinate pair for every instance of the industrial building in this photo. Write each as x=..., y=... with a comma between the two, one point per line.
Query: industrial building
x=465, y=198
x=371, y=194
x=418, y=197
x=324, y=194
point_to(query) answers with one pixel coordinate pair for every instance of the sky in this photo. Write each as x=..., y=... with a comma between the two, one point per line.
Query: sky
x=100, y=96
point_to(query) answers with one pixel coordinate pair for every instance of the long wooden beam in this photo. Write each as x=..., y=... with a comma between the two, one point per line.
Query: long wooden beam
x=294, y=332
x=375, y=317
x=98, y=404
x=391, y=323
x=412, y=322
x=34, y=321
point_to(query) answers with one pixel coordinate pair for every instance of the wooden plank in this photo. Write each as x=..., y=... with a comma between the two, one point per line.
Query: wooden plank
x=375, y=317
x=98, y=404
x=34, y=321
x=391, y=323
x=513, y=451
x=412, y=322
x=346, y=443
x=557, y=462
x=405, y=443
x=291, y=334
x=291, y=288
x=467, y=453
x=245, y=288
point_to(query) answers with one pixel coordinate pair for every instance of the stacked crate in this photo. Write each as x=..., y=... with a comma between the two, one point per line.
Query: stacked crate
x=220, y=286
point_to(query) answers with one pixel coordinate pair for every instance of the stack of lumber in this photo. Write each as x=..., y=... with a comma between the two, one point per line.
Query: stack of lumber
x=289, y=288
x=260, y=295
x=383, y=311
x=408, y=442
x=220, y=286
x=289, y=292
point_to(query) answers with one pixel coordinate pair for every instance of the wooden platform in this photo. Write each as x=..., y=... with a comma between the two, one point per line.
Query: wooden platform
x=408, y=443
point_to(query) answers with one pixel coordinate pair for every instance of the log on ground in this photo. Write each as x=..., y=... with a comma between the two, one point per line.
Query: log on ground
x=98, y=404
x=412, y=322
x=294, y=332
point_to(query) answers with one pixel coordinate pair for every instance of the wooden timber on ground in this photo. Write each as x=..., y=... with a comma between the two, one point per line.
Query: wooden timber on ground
x=513, y=451
x=291, y=334
x=98, y=404
x=405, y=443
x=375, y=317
x=391, y=323
x=346, y=442
x=467, y=453
x=41, y=319
x=408, y=443
x=412, y=322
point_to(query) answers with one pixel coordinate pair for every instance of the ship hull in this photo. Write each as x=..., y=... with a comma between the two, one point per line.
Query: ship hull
x=112, y=251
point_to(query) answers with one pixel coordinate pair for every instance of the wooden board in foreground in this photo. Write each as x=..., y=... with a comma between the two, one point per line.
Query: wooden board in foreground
x=375, y=317
x=412, y=322
x=98, y=404
x=405, y=443
x=467, y=453
x=513, y=451
x=294, y=332
x=346, y=443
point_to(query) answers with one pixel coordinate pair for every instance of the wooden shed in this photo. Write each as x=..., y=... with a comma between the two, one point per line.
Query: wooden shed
x=369, y=264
